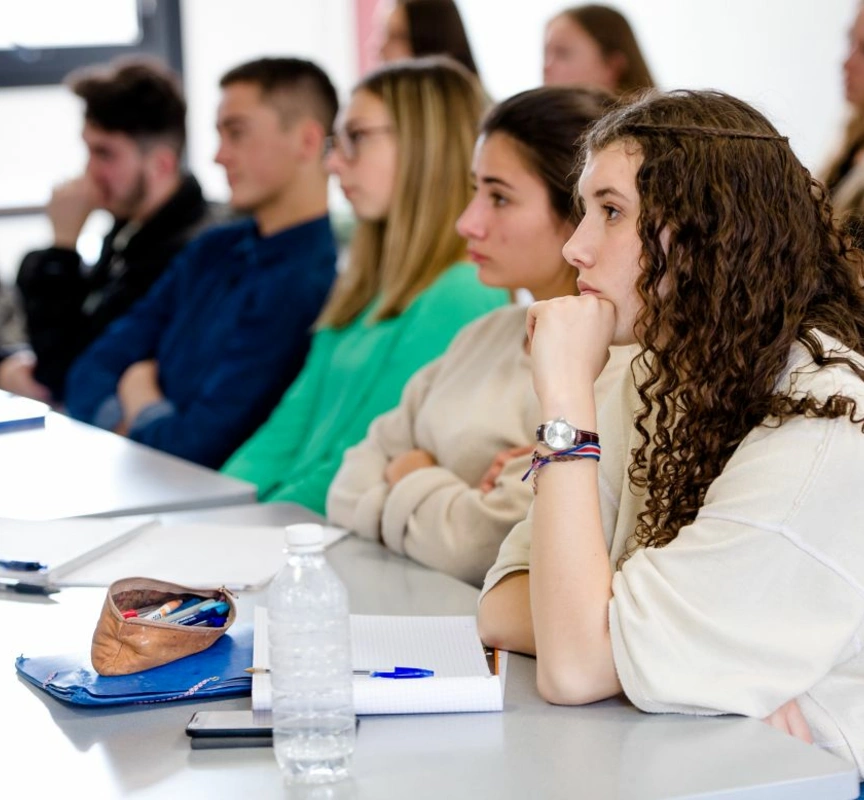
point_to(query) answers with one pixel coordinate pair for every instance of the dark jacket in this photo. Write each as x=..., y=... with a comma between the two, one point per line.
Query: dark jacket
x=229, y=324
x=67, y=307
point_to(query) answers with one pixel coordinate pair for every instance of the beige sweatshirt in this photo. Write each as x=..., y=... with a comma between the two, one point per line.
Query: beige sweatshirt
x=463, y=409
x=761, y=599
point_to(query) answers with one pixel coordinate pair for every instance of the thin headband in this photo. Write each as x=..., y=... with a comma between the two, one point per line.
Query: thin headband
x=695, y=130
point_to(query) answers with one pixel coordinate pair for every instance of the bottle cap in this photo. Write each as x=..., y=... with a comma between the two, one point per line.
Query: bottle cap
x=305, y=537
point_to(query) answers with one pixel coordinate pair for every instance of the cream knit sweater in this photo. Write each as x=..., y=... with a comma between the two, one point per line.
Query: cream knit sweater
x=761, y=599
x=463, y=409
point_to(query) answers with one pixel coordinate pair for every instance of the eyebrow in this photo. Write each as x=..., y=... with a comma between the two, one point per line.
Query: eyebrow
x=228, y=122
x=606, y=191
x=493, y=181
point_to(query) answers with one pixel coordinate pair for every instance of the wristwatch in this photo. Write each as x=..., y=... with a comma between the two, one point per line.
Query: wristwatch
x=558, y=434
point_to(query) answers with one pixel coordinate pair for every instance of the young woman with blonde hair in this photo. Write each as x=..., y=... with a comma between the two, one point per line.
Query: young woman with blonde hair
x=402, y=154
x=711, y=560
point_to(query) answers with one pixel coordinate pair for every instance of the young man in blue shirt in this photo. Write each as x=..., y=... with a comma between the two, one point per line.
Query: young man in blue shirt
x=199, y=363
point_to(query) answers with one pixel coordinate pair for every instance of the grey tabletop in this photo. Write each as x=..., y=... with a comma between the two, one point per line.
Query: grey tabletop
x=532, y=749
x=68, y=469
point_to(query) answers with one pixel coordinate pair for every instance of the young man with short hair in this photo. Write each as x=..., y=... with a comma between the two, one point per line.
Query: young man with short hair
x=200, y=362
x=135, y=132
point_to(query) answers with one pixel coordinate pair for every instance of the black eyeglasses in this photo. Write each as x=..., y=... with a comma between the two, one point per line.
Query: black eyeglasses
x=347, y=141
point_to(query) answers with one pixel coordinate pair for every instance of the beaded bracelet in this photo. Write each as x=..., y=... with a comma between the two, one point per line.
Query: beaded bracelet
x=576, y=453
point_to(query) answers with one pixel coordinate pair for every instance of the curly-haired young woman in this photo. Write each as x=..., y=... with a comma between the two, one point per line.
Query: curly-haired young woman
x=711, y=561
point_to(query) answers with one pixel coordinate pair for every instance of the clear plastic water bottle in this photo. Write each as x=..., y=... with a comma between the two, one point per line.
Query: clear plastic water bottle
x=310, y=663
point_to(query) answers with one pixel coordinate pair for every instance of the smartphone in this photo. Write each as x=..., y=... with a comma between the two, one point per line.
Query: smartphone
x=229, y=723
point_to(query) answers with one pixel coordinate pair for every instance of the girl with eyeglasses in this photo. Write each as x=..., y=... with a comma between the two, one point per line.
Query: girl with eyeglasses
x=402, y=156
x=711, y=561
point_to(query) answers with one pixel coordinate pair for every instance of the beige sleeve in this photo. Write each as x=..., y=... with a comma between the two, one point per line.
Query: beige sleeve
x=762, y=595
x=359, y=491
x=514, y=554
x=436, y=518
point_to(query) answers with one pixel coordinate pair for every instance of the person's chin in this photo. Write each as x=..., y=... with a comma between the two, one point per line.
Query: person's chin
x=242, y=204
x=488, y=277
x=366, y=214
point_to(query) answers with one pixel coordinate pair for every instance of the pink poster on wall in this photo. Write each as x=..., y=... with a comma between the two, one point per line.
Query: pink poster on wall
x=367, y=56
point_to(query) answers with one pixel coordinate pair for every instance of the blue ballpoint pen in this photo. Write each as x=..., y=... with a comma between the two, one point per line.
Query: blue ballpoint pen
x=21, y=566
x=218, y=610
x=398, y=672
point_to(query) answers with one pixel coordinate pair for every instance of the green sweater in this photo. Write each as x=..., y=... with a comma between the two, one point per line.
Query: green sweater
x=352, y=375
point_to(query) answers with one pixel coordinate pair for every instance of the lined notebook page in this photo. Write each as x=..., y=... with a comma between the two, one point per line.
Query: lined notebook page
x=448, y=645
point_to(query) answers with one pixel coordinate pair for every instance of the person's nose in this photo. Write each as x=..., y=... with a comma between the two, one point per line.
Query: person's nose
x=578, y=251
x=470, y=224
x=219, y=156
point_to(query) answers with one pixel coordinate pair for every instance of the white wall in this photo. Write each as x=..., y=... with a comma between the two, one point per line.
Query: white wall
x=220, y=34
x=783, y=55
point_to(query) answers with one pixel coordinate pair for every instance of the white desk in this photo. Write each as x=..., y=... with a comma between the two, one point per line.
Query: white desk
x=68, y=469
x=531, y=750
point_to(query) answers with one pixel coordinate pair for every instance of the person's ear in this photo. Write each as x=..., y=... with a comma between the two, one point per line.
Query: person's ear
x=162, y=161
x=310, y=140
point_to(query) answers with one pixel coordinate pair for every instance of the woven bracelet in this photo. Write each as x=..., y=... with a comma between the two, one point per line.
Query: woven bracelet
x=585, y=450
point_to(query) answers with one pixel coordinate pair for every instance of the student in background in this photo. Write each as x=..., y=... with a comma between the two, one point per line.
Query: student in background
x=844, y=176
x=444, y=486
x=200, y=362
x=416, y=28
x=135, y=132
x=593, y=45
x=402, y=155
x=711, y=562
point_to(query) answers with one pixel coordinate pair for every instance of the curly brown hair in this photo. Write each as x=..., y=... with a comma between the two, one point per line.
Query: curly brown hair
x=752, y=263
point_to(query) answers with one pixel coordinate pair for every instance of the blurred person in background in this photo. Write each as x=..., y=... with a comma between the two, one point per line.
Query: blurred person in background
x=844, y=176
x=594, y=45
x=416, y=28
x=135, y=133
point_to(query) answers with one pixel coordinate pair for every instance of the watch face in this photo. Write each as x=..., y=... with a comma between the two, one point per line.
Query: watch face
x=559, y=434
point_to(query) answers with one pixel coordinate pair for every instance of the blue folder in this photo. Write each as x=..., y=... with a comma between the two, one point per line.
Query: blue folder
x=218, y=671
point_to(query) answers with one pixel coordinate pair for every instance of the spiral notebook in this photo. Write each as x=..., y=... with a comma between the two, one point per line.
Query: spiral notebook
x=447, y=645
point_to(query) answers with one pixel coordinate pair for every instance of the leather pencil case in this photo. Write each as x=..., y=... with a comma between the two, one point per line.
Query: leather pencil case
x=125, y=642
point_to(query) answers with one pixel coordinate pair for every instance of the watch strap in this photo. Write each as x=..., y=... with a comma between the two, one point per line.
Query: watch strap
x=581, y=437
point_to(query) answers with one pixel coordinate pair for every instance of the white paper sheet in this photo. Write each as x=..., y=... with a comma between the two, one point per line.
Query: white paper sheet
x=198, y=555
x=62, y=546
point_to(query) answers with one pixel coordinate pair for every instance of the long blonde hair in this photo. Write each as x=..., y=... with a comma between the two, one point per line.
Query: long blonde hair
x=436, y=105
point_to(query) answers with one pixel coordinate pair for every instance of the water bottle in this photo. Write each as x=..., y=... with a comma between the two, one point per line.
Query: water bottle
x=310, y=663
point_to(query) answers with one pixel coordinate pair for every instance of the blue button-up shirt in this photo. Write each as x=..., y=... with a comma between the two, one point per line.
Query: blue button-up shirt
x=229, y=325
